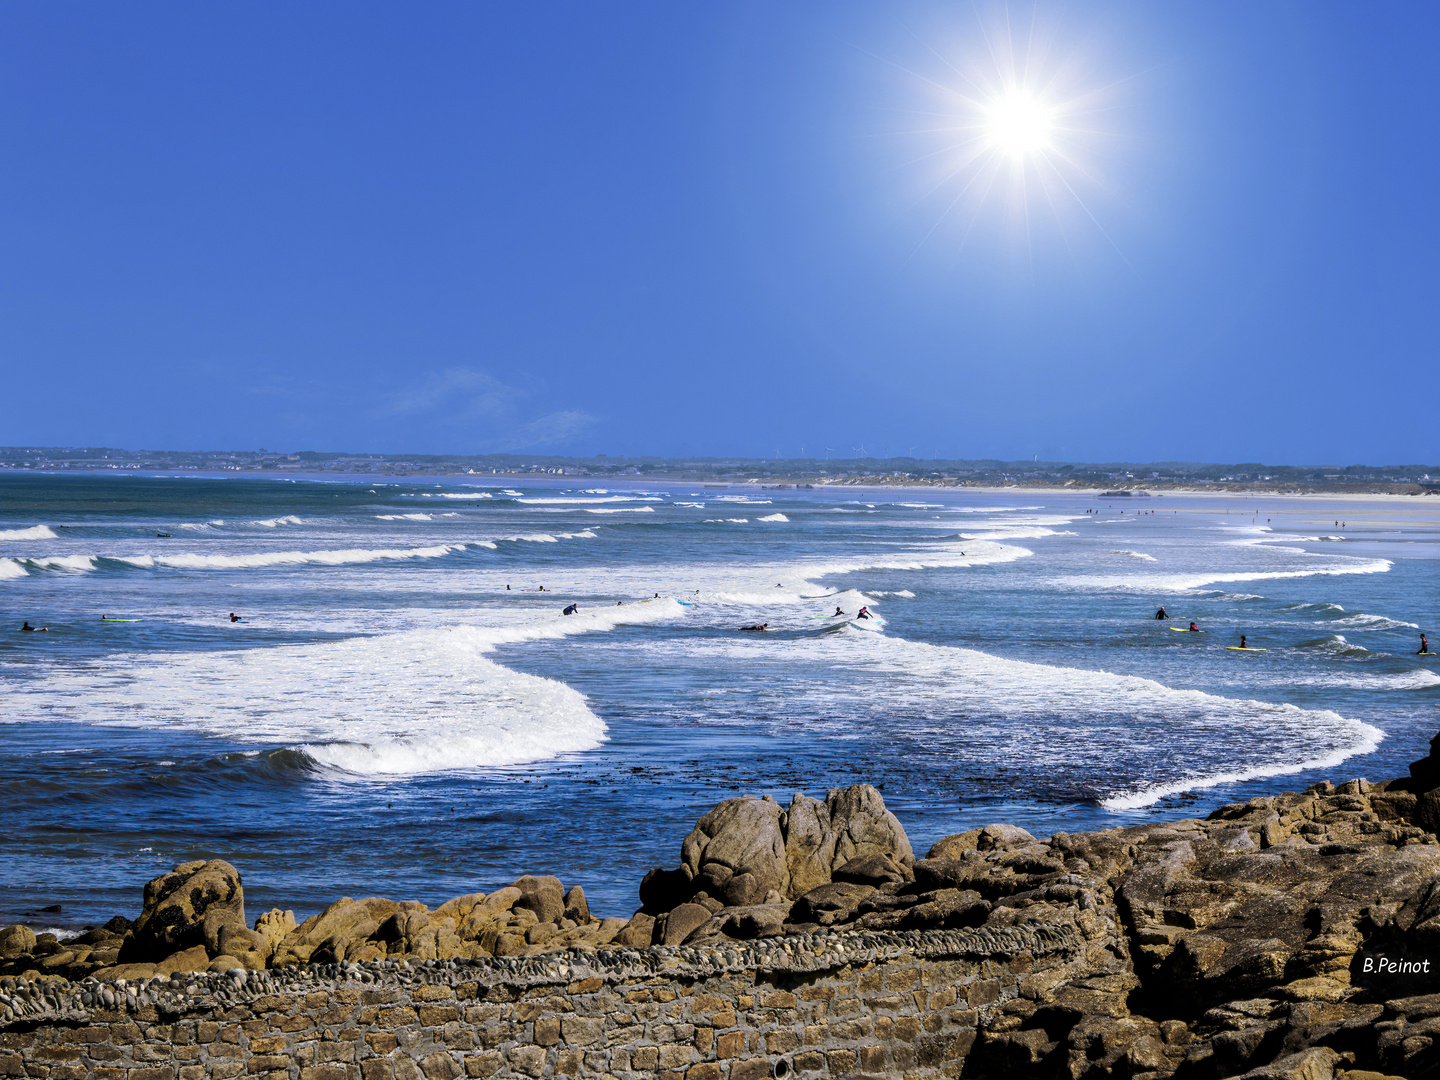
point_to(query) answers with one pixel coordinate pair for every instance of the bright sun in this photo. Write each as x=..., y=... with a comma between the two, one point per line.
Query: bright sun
x=1018, y=125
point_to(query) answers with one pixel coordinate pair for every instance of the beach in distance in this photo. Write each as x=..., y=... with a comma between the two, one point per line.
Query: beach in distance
x=400, y=706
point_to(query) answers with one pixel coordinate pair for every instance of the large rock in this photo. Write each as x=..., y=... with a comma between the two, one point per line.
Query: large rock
x=331, y=934
x=180, y=905
x=544, y=895
x=16, y=939
x=738, y=849
x=274, y=926
x=862, y=826
x=750, y=851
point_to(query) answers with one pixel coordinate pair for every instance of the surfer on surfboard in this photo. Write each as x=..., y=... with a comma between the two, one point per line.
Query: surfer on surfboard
x=1424, y=647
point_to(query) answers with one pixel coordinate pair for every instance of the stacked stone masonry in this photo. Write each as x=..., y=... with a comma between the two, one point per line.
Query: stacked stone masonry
x=903, y=1004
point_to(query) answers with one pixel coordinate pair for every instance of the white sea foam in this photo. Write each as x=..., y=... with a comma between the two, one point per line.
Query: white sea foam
x=590, y=502
x=1017, y=533
x=451, y=494
x=270, y=523
x=620, y=510
x=1133, y=554
x=1374, y=622
x=773, y=517
x=427, y=700
x=1129, y=740
x=36, y=532
x=406, y=517
x=16, y=568
x=252, y=560
x=1152, y=583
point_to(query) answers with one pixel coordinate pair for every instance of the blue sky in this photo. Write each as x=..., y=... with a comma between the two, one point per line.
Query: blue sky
x=712, y=229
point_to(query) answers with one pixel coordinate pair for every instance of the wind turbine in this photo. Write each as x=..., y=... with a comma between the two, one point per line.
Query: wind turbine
x=859, y=449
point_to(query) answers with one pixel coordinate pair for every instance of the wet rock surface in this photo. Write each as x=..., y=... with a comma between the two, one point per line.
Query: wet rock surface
x=1293, y=936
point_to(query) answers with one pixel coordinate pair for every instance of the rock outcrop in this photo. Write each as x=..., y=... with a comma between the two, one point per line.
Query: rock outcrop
x=185, y=908
x=1296, y=936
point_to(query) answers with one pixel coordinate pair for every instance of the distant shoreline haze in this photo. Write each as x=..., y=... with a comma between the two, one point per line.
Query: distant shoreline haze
x=1131, y=477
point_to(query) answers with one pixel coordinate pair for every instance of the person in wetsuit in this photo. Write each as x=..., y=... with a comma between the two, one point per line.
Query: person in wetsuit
x=1161, y=614
x=756, y=628
x=838, y=612
x=573, y=609
x=863, y=613
x=234, y=617
x=1242, y=642
x=1424, y=646
x=1194, y=627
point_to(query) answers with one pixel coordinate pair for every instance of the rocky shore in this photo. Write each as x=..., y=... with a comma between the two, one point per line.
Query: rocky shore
x=1288, y=937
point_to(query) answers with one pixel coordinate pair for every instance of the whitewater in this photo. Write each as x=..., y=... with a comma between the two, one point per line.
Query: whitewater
x=400, y=705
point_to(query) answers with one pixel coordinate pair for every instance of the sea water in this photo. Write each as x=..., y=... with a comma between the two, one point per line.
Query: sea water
x=404, y=712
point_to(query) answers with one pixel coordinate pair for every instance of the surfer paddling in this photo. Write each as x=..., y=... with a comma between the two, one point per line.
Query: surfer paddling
x=758, y=628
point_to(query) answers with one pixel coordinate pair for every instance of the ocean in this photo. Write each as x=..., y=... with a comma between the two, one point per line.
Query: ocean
x=402, y=711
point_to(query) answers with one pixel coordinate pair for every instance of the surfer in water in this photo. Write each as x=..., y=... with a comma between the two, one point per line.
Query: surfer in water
x=573, y=609
x=234, y=617
x=1424, y=647
x=863, y=613
x=757, y=628
x=1194, y=627
x=34, y=629
x=1161, y=614
x=838, y=612
x=1242, y=642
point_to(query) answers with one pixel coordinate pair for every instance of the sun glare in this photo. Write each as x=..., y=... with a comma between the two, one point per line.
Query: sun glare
x=1011, y=137
x=1019, y=125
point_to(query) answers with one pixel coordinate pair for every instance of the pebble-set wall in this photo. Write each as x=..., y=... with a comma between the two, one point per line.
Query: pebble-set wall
x=903, y=1004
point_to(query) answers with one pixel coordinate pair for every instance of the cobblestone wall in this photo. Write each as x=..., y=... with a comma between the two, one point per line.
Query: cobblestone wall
x=836, y=1004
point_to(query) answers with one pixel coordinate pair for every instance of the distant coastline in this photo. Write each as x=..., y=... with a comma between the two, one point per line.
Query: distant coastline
x=1127, y=480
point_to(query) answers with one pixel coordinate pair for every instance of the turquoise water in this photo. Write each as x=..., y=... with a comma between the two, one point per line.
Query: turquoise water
x=391, y=719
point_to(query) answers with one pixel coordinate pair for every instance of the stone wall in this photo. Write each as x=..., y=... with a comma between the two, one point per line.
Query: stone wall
x=827, y=1004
